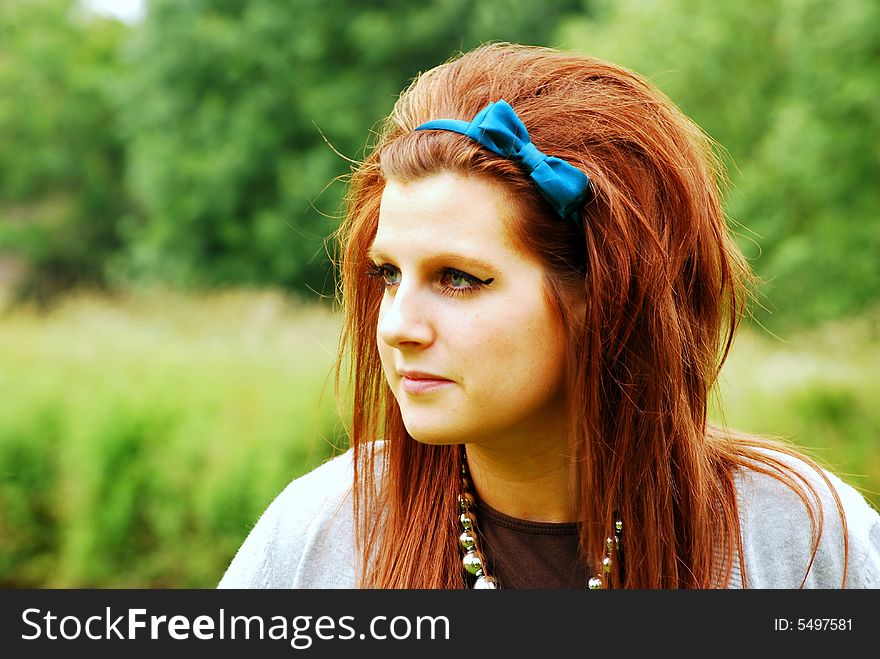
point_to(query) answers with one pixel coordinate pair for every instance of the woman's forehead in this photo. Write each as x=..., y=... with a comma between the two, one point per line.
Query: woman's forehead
x=445, y=213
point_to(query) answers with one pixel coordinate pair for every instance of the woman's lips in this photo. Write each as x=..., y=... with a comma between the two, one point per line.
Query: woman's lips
x=421, y=383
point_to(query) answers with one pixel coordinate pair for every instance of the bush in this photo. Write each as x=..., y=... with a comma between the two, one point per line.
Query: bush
x=139, y=441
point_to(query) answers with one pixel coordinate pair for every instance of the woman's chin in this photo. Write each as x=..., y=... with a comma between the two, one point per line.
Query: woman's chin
x=435, y=435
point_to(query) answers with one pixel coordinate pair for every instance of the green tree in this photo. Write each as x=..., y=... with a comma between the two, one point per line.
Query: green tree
x=236, y=108
x=789, y=88
x=61, y=159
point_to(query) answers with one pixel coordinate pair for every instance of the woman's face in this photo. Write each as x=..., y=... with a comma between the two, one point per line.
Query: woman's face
x=471, y=346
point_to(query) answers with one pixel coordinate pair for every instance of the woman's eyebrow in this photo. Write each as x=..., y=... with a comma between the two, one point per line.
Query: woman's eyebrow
x=463, y=259
x=377, y=254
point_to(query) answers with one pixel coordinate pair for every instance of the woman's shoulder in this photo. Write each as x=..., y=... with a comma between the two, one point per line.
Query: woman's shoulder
x=782, y=501
x=311, y=516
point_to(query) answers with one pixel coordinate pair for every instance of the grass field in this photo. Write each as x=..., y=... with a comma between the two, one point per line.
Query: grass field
x=141, y=437
x=819, y=389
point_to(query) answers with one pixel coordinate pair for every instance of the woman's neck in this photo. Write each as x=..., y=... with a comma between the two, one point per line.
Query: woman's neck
x=534, y=483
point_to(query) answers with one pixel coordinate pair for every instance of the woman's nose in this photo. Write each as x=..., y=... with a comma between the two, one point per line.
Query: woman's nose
x=403, y=318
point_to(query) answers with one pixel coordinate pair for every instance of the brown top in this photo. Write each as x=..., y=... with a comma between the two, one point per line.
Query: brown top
x=524, y=554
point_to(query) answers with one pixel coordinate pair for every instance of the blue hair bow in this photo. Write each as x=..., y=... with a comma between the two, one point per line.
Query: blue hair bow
x=498, y=128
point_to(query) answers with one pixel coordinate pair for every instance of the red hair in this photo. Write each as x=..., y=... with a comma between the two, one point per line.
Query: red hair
x=664, y=287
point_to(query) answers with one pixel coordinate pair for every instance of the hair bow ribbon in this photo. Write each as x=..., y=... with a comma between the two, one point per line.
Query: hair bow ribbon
x=498, y=128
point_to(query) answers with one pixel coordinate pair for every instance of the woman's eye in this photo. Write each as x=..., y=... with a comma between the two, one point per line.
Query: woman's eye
x=451, y=281
x=388, y=274
x=455, y=281
x=459, y=279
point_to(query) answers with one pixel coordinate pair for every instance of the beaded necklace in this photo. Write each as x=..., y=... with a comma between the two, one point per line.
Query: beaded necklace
x=473, y=560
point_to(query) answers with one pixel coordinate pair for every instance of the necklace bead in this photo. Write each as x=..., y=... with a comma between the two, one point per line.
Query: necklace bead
x=473, y=563
x=467, y=541
x=486, y=583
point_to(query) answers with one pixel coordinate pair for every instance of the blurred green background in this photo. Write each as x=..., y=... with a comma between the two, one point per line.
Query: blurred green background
x=168, y=182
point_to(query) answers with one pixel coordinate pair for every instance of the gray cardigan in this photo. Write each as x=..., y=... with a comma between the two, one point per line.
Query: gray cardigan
x=306, y=539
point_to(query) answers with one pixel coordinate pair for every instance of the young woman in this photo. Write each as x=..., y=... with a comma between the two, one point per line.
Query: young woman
x=539, y=291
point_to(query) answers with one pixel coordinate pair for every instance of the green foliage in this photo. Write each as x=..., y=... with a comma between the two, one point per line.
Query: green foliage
x=818, y=389
x=28, y=518
x=197, y=147
x=208, y=144
x=140, y=441
x=236, y=109
x=61, y=158
x=789, y=88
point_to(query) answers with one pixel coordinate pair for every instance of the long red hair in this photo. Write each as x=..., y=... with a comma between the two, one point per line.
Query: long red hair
x=665, y=287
